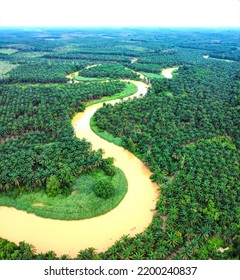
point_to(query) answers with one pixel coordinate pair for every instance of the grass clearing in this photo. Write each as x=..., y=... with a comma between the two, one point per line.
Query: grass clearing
x=86, y=79
x=8, y=51
x=168, y=93
x=73, y=75
x=82, y=203
x=6, y=67
x=153, y=75
x=128, y=91
x=135, y=48
x=104, y=134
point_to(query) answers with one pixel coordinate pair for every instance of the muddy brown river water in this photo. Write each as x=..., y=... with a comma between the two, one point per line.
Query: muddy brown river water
x=167, y=73
x=133, y=215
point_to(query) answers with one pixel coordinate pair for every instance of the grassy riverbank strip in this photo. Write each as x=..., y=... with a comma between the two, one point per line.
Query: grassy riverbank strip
x=129, y=90
x=6, y=67
x=82, y=203
x=104, y=134
x=88, y=79
x=153, y=75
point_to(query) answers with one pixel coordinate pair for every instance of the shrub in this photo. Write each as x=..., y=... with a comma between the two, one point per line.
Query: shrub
x=104, y=189
x=53, y=187
x=108, y=167
x=109, y=170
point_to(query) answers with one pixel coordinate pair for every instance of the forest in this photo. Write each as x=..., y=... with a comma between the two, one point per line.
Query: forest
x=185, y=130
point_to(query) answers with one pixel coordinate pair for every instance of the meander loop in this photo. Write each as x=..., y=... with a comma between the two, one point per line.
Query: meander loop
x=133, y=215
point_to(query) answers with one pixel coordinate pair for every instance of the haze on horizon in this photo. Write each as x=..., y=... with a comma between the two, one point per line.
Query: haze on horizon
x=158, y=13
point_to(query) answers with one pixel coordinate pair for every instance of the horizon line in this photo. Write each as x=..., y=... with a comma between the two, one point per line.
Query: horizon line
x=116, y=27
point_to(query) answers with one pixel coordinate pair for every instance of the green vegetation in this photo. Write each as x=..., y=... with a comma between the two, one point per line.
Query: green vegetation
x=45, y=71
x=37, y=136
x=5, y=67
x=186, y=130
x=182, y=138
x=7, y=51
x=128, y=90
x=103, y=133
x=80, y=203
x=104, y=189
x=47, y=108
x=91, y=56
x=153, y=76
x=88, y=79
x=110, y=70
x=53, y=186
x=28, y=162
x=146, y=68
x=134, y=48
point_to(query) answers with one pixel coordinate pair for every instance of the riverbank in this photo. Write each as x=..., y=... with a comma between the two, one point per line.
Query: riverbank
x=167, y=73
x=81, y=203
x=133, y=215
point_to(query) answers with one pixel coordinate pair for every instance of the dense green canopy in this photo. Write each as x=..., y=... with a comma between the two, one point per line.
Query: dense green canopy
x=186, y=129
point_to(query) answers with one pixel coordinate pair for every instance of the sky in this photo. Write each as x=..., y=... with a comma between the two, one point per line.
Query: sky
x=85, y=13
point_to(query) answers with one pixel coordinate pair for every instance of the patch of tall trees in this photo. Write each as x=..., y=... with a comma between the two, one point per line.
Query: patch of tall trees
x=109, y=70
x=37, y=136
x=186, y=130
x=43, y=71
x=89, y=57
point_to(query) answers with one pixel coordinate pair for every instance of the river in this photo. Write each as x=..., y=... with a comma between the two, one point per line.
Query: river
x=167, y=73
x=133, y=215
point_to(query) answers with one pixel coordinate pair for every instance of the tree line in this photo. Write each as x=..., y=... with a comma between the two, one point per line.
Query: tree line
x=187, y=132
x=37, y=136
